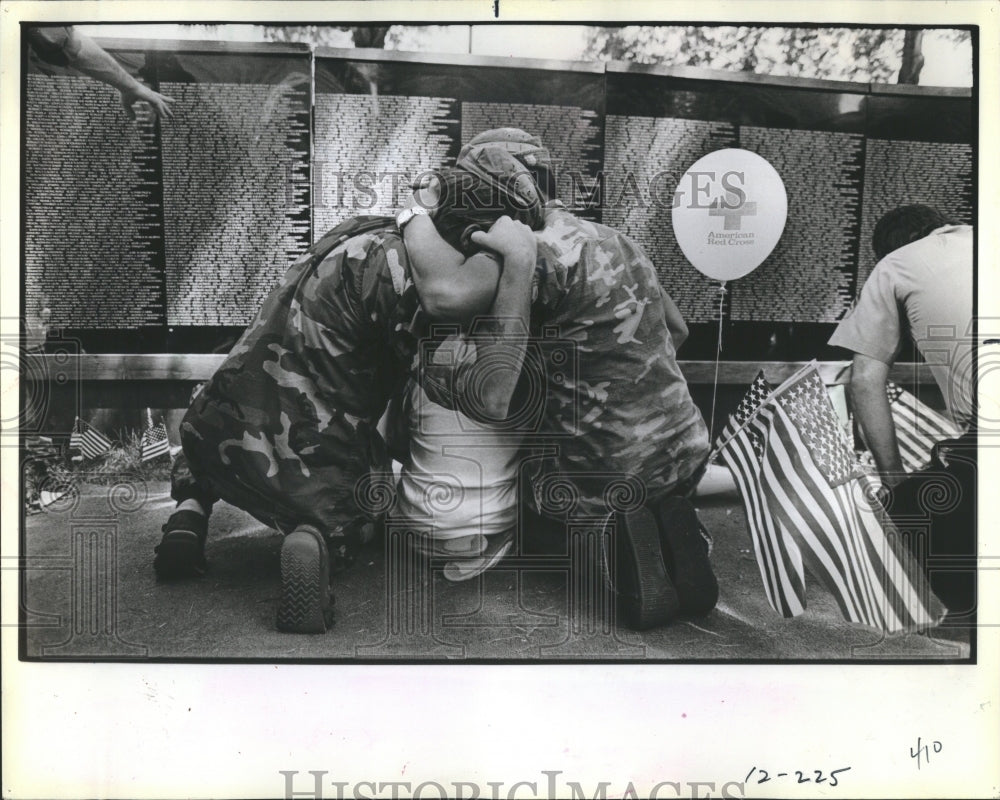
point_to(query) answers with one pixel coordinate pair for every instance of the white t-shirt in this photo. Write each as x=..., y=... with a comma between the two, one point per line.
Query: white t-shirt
x=461, y=479
x=930, y=282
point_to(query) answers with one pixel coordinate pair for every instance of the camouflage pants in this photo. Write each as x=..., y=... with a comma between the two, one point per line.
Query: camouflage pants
x=193, y=484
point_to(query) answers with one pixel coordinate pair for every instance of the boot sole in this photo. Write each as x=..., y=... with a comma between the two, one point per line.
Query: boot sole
x=305, y=605
x=646, y=596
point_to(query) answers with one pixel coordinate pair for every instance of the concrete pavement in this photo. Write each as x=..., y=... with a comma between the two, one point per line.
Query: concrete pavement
x=89, y=592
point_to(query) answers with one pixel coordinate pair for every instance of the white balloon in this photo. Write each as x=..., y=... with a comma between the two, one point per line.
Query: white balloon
x=729, y=213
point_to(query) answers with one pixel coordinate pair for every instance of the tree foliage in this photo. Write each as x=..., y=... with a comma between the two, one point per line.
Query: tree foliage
x=328, y=35
x=849, y=54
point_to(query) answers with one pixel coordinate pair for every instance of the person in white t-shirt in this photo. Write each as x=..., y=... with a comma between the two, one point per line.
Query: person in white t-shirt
x=459, y=485
x=922, y=284
x=458, y=482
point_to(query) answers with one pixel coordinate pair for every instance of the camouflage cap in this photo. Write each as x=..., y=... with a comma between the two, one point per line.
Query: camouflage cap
x=522, y=145
x=497, y=167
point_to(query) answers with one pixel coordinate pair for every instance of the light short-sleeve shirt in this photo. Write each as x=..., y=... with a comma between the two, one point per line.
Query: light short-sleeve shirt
x=461, y=476
x=925, y=289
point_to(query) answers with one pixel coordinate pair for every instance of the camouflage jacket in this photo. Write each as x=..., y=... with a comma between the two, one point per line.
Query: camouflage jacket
x=286, y=428
x=618, y=416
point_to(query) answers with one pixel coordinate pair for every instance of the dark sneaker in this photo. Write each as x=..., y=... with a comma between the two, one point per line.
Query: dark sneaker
x=686, y=544
x=181, y=551
x=306, y=604
x=645, y=595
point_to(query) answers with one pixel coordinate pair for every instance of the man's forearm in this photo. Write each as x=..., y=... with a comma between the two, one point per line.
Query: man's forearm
x=479, y=373
x=450, y=287
x=871, y=407
x=487, y=385
x=96, y=63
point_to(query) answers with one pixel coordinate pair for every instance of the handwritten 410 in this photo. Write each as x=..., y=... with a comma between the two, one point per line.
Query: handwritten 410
x=924, y=751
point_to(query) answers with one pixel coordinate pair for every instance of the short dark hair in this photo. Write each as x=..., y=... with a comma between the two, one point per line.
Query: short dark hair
x=899, y=227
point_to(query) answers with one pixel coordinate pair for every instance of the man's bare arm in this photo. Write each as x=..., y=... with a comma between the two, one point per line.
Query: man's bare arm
x=871, y=406
x=675, y=322
x=478, y=373
x=451, y=287
x=88, y=57
x=502, y=337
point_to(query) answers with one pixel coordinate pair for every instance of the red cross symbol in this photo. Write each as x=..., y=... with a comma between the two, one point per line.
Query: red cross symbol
x=734, y=216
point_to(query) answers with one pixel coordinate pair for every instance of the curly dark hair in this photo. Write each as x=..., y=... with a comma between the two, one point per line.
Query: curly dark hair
x=903, y=225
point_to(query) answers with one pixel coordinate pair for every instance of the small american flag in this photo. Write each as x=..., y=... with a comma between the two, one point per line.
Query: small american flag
x=741, y=447
x=918, y=428
x=88, y=440
x=154, y=442
x=811, y=507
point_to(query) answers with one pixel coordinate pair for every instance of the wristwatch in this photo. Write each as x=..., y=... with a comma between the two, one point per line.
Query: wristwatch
x=403, y=217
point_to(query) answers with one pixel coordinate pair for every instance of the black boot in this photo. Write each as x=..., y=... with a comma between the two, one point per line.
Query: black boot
x=685, y=551
x=181, y=551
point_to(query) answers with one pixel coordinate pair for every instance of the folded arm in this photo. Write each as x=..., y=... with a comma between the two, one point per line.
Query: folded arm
x=452, y=288
x=480, y=380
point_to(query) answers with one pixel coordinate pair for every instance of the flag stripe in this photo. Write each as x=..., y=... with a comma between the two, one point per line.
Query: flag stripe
x=877, y=586
x=914, y=456
x=827, y=516
x=806, y=504
x=778, y=557
x=154, y=442
x=889, y=598
x=790, y=557
x=918, y=428
x=742, y=474
x=907, y=579
x=785, y=465
x=88, y=440
x=784, y=587
x=857, y=566
x=901, y=597
x=819, y=560
x=931, y=420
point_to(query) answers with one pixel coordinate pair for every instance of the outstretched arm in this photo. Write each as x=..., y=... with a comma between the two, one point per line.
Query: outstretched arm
x=66, y=46
x=92, y=60
x=871, y=405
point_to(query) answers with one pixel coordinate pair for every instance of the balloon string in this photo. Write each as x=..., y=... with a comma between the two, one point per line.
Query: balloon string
x=718, y=355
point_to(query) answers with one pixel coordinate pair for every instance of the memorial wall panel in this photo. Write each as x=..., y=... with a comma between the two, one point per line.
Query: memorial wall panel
x=660, y=124
x=380, y=124
x=145, y=237
x=93, y=243
x=235, y=181
x=809, y=277
x=644, y=158
x=918, y=150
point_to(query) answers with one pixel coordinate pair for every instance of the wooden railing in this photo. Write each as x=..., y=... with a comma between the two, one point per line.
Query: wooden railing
x=200, y=367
